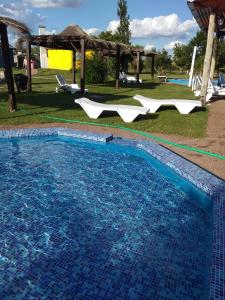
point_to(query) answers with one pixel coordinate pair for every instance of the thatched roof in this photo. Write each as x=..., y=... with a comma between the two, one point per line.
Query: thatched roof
x=73, y=30
x=69, y=42
x=71, y=36
x=18, y=26
x=201, y=10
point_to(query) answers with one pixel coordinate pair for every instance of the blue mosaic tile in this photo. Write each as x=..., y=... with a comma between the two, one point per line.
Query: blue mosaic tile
x=32, y=132
x=123, y=273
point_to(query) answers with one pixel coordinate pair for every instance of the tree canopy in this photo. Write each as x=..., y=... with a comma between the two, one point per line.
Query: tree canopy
x=123, y=30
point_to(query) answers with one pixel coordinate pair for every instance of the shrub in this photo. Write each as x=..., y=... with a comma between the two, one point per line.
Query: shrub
x=96, y=69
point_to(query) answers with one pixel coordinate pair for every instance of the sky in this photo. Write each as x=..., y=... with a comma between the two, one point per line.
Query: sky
x=153, y=23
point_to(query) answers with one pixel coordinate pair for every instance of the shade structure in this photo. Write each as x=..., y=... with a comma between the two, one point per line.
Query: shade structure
x=74, y=30
x=75, y=39
x=22, y=29
x=201, y=10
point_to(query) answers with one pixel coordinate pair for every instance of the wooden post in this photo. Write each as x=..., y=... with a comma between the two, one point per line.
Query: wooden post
x=208, y=57
x=213, y=62
x=192, y=66
x=74, y=66
x=138, y=67
x=29, y=87
x=8, y=68
x=117, y=66
x=153, y=66
x=82, y=68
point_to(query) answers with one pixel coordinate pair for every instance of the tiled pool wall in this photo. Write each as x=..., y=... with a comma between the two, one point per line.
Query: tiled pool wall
x=204, y=180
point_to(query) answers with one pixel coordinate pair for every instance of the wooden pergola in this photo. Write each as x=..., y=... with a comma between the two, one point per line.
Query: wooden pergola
x=71, y=38
x=22, y=29
x=77, y=40
x=210, y=16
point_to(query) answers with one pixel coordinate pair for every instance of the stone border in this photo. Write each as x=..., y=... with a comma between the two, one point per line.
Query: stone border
x=204, y=180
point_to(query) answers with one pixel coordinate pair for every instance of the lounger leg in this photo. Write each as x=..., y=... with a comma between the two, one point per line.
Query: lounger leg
x=185, y=109
x=153, y=107
x=92, y=112
x=127, y=116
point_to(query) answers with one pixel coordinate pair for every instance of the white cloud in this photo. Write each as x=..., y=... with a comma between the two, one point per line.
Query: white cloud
x=149, y=47
x=54, y=3
x=161, y=26
x=113, y=26
x=92, y=31
x=22, y=13
x=172, y=44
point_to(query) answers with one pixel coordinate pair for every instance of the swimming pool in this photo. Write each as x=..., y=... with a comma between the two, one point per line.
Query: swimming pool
x=180, y=81
x=184, y=81
x=88, y=220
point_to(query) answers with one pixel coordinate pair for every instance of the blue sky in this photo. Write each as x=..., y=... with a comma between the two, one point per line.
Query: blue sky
x=158, y=23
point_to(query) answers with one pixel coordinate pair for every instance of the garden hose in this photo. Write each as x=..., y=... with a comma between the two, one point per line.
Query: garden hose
x=145, y=134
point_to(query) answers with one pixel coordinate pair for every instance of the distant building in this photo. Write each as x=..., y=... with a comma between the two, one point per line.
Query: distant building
x=10, y=53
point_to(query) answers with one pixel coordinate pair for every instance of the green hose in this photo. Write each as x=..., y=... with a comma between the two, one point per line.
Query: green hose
x=140, y=133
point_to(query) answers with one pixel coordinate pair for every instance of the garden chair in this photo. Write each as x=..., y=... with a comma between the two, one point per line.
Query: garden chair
x=72, y=88
x=129, y=79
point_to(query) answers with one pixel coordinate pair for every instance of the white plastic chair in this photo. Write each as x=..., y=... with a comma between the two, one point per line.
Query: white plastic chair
x=183, y=106
x=127, y=112
x=129, y=79
x=72, y=88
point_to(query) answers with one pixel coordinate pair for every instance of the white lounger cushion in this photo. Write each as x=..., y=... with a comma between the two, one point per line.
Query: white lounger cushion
x=183, y=106
x=127, y=112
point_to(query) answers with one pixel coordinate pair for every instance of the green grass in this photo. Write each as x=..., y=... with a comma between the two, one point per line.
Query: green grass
x=33, y=107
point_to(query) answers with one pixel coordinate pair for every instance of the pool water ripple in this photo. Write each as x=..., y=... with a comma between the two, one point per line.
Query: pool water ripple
x=87, y=221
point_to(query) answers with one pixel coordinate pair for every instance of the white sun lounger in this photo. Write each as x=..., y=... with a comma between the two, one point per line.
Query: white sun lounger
x=127, y=112
x=183, y=106
x=72, y=88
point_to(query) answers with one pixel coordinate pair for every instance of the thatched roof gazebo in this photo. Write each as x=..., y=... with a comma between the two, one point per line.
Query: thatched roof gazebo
x=74, y=30
x=210, y=16
x=75, y=39
x=22, y=29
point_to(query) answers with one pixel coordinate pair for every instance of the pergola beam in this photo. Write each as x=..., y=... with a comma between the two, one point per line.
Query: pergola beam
x=83, y=66
x=138, y=67
x=29, y=85
x=117, y=66
x=74, y=66
x=153, y=66
x=213, y=61
x=208, y=57
x=8, y=68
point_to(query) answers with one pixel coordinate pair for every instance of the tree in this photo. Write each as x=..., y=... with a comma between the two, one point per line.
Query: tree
x=221, y=55
x=163, y=61
x=109, y=36
x=123, y=30
x=181, y=56
x=96, y=69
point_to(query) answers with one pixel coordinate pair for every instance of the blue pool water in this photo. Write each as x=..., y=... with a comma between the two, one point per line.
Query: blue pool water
x=183, y=81
x=98, y=221
x=179, y=81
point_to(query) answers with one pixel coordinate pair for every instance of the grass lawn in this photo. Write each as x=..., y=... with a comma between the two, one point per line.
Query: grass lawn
x=35, y=106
